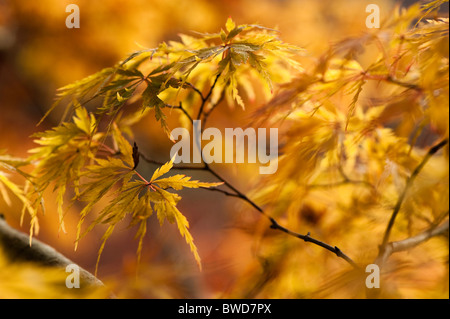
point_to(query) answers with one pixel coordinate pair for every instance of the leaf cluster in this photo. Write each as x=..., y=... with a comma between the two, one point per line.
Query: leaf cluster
x=357, y=125
x=158, y=76
x=89, y=161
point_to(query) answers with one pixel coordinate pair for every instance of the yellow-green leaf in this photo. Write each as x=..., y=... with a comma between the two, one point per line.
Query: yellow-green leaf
x=162, y=170
x=82, y=120
x=166, y=210
x=230, y=25
x=178, y=182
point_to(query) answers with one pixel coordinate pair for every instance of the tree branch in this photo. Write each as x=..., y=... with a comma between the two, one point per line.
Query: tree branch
x=386, y=249
x=402, y=197
x=238, y=194
x=195, y=90
x=176, y=167
x=406, y=244
x=206, y=98
x=17, y=247
x=275, y=225
x=411, y=242
x=180, y=107
x=308, y=238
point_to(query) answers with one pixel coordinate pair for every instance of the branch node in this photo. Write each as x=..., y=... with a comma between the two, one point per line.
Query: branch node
x=274, y=224
x=338, y=252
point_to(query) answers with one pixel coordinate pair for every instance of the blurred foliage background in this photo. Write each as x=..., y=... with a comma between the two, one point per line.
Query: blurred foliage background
x=38, y=54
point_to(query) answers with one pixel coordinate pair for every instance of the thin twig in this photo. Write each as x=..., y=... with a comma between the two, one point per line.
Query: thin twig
x=411, y=242
x=221, y=191
x=180, y=107
x=275, y=225
x=234, y=189
x=196, y=90
x=308, y=238
x=206, y=98
x=402, y=197
x=176, y=167
x=238, y=194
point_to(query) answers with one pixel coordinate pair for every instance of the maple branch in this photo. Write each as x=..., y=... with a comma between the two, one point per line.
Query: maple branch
x=179, y=167
x=206, y=98
x=275, y=225
x=180, y=107
x=221, y=191
x=16, y=246
x=234, y=189
x=406, y=244
x=192, y=86
x=238, y=194
x=414, y=241
x=402, y=197
x=308, y=238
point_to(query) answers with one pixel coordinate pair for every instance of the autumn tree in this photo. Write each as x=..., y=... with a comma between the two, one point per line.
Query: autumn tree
x=362, y=173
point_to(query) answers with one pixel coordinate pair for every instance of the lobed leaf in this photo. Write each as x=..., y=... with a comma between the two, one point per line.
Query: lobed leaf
x=178, y=182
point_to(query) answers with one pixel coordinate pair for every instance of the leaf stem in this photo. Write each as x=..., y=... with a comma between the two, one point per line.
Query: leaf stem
x=143, y=179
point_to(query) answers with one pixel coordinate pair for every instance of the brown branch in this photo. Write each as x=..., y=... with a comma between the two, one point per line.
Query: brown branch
x=238, y=194
x=275, y=225
x=234, y=189
x=180, y=107
x=206, y=98
x=418, y=239
x=176, y=167
x=308, y=238
x=385, y=250
x=226, y=193
x=193, y=87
